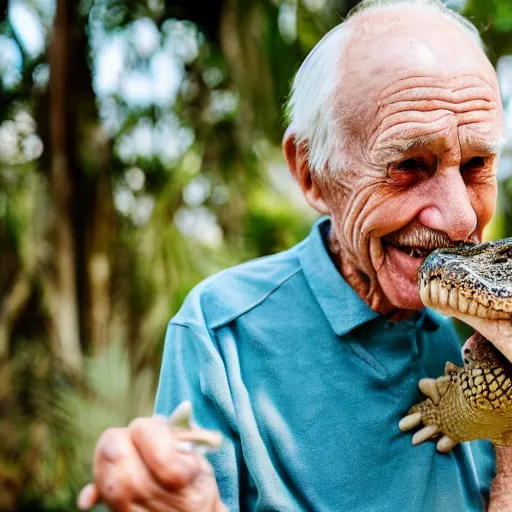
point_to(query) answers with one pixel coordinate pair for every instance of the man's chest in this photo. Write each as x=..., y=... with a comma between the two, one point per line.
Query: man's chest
x=321, y=454
x=319, y=425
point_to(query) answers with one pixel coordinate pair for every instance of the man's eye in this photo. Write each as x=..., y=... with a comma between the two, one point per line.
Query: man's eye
x=475, y=163
x=407, y=172
x=411, y=164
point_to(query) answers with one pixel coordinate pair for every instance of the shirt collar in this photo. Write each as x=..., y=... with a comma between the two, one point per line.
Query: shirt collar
x=341, y=305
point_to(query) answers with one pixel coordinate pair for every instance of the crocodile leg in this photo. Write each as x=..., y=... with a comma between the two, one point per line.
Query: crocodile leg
x=468, y=403
x=430, y=412
x=433, y=414
x=473, y=283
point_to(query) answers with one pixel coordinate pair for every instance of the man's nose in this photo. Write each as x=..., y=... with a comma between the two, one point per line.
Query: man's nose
x=449, y=207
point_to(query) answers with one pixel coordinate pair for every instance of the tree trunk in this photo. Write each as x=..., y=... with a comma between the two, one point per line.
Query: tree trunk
x=11, y=306
x=100, y=234
x=81, y=172
x=66, y=335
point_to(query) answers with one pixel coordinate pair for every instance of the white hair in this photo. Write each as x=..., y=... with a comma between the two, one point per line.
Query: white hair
x=310, y=107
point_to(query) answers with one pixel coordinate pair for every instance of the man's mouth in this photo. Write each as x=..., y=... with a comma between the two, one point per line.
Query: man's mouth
x=417, y=244
x=419, y=252
x=414, y=252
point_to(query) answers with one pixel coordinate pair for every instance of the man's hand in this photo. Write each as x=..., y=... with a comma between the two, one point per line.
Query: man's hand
x=151, y=466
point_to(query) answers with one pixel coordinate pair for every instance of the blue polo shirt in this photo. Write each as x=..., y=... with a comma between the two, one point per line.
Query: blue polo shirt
x=308, y=385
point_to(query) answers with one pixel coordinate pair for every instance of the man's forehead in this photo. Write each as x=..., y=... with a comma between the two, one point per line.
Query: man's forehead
x=397, y=41
x=484, y=145
x=421, y=52
x=398, y=17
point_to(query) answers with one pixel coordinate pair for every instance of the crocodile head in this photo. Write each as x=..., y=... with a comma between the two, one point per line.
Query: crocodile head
x=474, y=284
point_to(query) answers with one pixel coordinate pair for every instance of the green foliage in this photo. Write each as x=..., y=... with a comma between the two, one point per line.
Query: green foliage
x=39, y=432
x=169, y=185
x=50, y=421
x=274, y=224
x=167, y=189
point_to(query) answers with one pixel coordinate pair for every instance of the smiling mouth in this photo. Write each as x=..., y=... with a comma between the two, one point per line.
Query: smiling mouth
x=414, y=252
x=417, y=244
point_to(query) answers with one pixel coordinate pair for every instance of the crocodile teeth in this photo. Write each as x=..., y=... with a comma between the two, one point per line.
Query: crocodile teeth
x=482, y=311
x=443, y=296
x=463, y=304
x=452, y=298
x=473, y=306
x=434, y=291
x=424, y=292
x=503, y=306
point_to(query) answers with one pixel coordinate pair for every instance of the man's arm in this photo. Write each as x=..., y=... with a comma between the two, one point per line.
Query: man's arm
x=143, y=464
x=193, y=370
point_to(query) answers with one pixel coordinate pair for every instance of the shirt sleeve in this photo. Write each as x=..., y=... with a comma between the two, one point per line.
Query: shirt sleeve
x=192, y=369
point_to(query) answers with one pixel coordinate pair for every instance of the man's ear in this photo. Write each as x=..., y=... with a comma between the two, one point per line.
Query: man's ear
x=297, y=159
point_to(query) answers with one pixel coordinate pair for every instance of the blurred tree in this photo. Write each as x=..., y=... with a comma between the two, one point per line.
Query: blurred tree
x=90, y=185
x=139, y=153
x=80, y=163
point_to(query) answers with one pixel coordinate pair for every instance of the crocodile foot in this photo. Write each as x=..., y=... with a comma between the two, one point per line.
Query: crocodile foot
x=430, y=412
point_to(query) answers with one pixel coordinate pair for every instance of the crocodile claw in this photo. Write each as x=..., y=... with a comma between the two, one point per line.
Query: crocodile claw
x=427, y=412
x=424, y=434
x=410, y=421
x=428, y=388
x=446, y=444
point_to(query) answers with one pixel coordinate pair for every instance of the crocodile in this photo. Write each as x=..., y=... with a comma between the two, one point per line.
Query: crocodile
x=472, y=282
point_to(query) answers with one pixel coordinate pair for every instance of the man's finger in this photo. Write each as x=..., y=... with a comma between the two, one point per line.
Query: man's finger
x=158, y=446
x=120, y=475
x=88, y=497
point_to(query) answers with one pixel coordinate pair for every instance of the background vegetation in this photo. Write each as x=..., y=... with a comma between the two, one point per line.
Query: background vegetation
x=139, y=153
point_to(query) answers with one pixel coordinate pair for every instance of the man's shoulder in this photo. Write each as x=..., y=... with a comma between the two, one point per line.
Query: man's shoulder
x=233, y=292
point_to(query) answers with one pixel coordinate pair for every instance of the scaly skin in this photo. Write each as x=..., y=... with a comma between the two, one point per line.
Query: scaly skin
x=474, y=284
x=475, y=401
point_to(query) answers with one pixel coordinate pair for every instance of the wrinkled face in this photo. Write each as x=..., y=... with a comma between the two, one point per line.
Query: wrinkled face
x=425, y=118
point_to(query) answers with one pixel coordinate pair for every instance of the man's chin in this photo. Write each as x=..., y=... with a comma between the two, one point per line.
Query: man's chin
x=403, y=298
x=398, y=279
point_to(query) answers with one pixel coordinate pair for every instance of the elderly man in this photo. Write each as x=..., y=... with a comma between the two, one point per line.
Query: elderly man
x=307, y=360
